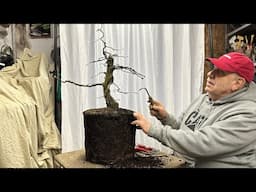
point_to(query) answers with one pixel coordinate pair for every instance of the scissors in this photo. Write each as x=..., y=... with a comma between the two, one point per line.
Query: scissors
x=148, y=151
x=143, y=148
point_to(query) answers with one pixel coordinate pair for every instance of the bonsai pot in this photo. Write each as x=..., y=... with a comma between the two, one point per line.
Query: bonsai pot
x=109, y=136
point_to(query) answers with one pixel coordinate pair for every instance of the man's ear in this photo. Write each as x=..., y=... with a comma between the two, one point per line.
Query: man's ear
x=239, y=83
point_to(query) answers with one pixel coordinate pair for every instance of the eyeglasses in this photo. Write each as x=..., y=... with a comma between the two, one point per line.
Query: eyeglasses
x=219, y=73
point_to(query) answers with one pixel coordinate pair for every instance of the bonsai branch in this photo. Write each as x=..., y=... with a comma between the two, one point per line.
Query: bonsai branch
x=109, y=77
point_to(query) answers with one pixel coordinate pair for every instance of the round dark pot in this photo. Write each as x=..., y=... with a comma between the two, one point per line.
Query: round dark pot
x=109, y=136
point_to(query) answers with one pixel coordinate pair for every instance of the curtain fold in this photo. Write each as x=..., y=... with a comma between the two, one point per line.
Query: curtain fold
x=171, y=56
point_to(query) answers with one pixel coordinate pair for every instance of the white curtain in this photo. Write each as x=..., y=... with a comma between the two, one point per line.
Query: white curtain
x=171, y=56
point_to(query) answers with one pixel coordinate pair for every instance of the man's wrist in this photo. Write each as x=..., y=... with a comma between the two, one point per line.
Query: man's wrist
x=162, y=118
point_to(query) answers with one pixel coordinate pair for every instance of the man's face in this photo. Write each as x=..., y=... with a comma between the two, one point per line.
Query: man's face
x=219, y=83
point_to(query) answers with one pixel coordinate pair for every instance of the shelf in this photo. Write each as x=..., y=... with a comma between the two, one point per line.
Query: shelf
x=244, y=29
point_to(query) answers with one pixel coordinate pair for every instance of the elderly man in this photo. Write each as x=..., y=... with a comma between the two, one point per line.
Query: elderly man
x=218, y=130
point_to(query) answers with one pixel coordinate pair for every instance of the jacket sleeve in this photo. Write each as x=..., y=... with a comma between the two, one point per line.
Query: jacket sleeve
x=231, y=133
x=171, y=121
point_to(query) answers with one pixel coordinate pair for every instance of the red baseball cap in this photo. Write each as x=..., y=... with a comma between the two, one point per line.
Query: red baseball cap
x=235, y=62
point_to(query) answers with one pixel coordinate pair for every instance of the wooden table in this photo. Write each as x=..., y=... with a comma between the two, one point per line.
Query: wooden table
x=76, y=159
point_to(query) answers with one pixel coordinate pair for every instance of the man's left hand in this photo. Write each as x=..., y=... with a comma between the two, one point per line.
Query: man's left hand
x=141, y=121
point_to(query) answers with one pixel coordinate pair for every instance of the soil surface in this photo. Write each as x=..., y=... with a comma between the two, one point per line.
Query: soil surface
x=139, y=162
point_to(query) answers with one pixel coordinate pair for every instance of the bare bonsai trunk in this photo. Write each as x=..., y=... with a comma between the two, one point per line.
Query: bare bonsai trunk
x=109, y=79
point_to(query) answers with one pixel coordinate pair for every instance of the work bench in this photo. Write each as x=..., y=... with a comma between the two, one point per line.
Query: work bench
x=76, y=159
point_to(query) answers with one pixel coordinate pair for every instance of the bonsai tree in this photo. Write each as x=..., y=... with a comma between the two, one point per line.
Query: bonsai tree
x=109, y=77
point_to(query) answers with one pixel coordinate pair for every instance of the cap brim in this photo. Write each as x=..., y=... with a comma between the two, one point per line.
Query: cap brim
x=216, y=62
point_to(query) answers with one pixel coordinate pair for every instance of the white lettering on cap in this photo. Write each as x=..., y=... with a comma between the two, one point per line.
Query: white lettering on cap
x=227, y=56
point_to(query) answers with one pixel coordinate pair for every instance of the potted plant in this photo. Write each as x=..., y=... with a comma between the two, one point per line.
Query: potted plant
x=109, y=136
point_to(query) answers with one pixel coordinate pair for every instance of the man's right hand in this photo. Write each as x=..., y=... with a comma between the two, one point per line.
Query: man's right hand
x=157, y=110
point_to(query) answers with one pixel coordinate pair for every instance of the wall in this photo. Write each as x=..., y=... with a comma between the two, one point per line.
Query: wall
x=43, y=45
x=214, y=33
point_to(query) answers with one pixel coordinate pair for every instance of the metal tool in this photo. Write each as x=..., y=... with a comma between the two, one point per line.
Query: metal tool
x=150, y=99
